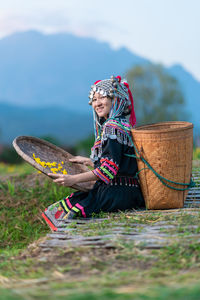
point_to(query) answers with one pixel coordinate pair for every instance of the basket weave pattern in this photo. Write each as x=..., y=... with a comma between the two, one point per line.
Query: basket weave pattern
x=168, y=148
x=27, y=145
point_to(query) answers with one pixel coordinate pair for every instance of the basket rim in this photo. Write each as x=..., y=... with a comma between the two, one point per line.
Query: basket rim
x=141, y=129
x=32, y=162
x=46, y=143
x=29, y=159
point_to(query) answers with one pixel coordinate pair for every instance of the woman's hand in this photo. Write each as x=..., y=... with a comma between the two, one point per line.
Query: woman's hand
x=64, y=180
x=81, y=160
x=70, y=180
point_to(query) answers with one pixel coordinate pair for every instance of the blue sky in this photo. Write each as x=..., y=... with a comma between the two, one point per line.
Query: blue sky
x=164, y=31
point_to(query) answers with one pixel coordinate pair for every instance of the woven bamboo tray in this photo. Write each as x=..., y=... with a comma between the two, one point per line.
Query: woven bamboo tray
x=27, y=145
x=168, y=148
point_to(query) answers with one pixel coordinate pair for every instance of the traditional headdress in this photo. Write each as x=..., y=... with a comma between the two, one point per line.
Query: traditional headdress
x=119, y=92
x=122, y=105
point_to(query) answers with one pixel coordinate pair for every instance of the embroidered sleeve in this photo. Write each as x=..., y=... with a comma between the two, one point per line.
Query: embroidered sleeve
x=110, y=160
x=107, y=170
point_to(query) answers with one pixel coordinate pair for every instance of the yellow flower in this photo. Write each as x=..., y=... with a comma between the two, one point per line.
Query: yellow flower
x=54, y=170
x=50, y=165
x=38, y=160
x=43, y=164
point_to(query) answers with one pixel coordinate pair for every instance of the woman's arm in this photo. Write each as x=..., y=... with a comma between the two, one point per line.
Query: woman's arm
x=70, y=180
x=82, y=160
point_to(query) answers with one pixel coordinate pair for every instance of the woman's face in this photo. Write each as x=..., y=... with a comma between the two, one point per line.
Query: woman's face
x=101, y=105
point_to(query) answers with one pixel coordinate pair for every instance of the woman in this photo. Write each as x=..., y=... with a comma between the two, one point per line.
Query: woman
x=116, y=187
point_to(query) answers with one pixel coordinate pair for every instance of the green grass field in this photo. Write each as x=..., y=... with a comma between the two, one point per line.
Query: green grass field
x=7, y=169
x=124, y=272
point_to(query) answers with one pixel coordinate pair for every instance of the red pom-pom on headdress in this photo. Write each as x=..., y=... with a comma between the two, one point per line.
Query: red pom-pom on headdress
x=97, y=81
x=119, y=78
x=132, y=118
x=126, y=84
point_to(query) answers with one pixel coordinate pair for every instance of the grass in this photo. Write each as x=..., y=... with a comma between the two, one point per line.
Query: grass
x=9, y=169
x=196, y=153
x=159, y=293
x=21, y=207
x=128, y=221
x=123, y=272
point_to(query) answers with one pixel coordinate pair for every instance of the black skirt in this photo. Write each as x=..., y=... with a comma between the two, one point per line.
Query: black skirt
x=121, y=194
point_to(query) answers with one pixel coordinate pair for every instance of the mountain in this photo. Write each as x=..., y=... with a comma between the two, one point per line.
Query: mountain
x=66, y=126
x=191, y=91
x=45, y=81
x=57, y=69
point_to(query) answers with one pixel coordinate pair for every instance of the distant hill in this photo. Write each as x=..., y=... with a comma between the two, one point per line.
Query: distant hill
x=56, y=71
x=191, y=91
x=66, y=126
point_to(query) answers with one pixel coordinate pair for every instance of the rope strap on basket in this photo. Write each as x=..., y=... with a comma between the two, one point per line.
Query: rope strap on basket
x=161, y=178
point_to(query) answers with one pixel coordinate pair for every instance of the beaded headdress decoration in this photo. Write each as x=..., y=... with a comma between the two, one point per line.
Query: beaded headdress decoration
x=122, y=99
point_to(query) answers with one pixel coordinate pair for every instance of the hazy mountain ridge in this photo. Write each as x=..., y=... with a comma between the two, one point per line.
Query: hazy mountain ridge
x=191, y=90
x=56, y=72
x=60, y=123
x=56, y=69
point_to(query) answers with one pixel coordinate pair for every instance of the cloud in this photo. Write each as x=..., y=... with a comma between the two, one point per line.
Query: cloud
x=55, y=21
x=165, y=32
x=10, y=23
x=49, y=22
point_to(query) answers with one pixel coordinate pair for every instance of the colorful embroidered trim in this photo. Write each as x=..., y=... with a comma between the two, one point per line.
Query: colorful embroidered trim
x=98, y=173
x=112, y=129
x=110, y=162
x=64, y=206
x=109, y=167
x=107, y=171
x=67, y=206
x=48, y=221
x=125, y=180
x=96, y=144
x=82, y=209
x=116, y=125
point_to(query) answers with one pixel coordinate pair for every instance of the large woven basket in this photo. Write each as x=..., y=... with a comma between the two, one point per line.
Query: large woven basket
x=168, y=148
x=27, y=145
